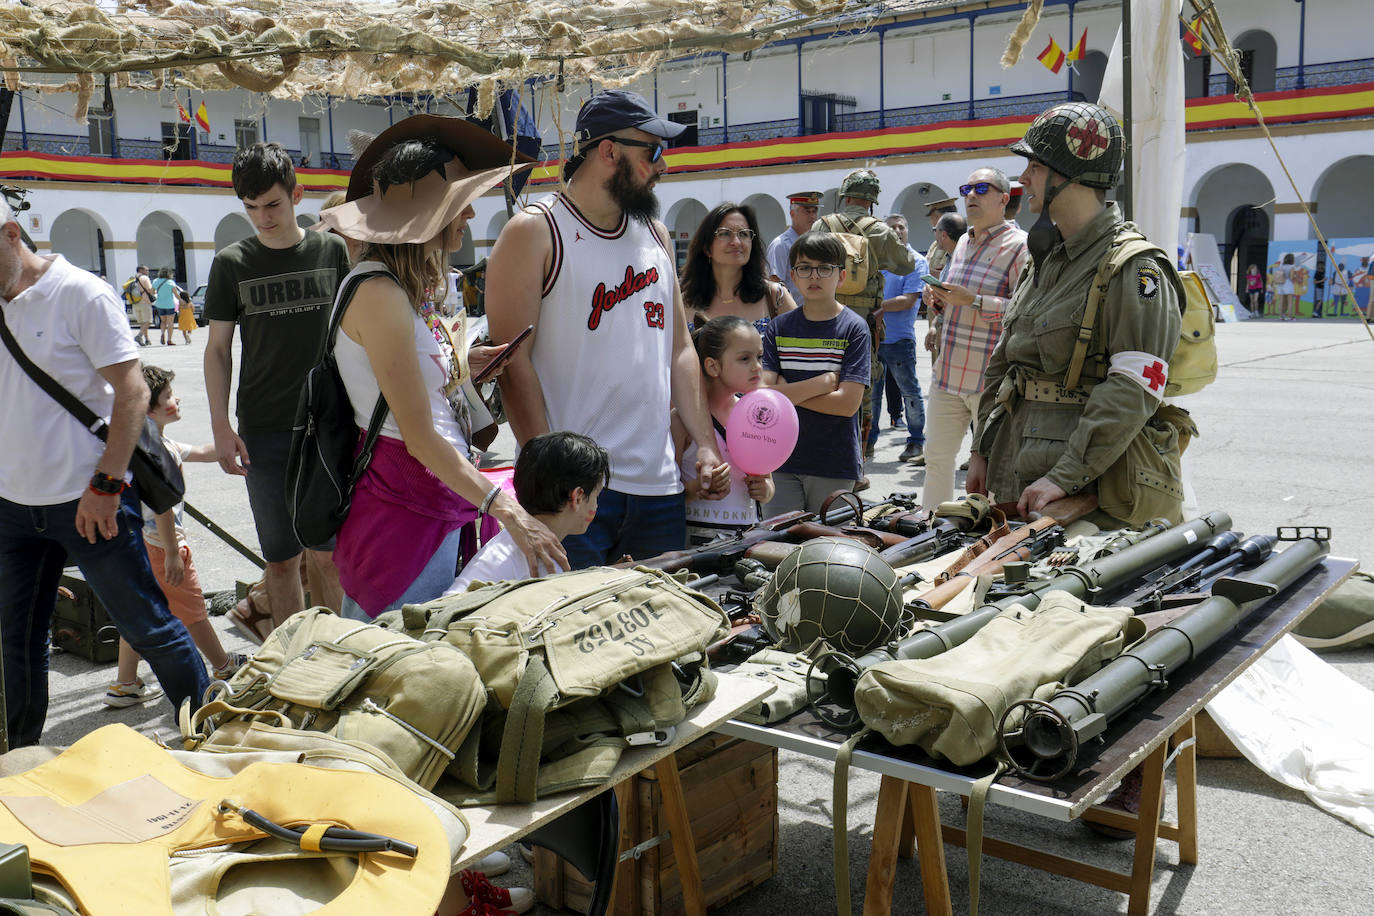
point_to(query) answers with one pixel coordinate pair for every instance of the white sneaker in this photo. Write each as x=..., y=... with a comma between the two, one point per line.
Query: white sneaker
x=121, y=695
x=498, y=863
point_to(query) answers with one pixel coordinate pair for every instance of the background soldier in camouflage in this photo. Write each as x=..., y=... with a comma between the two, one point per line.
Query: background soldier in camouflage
x=858, y=193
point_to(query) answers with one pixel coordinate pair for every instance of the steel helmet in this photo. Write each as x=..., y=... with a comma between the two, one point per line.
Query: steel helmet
x=834, y=589
x=1081, y=141
x=861, y=183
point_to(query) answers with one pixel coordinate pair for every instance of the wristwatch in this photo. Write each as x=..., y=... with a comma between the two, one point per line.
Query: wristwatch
x=978, y=302
x=106, y=485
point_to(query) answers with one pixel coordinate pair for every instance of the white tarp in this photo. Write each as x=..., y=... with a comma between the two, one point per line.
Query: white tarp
x=1157, y=113
x=1307, y=725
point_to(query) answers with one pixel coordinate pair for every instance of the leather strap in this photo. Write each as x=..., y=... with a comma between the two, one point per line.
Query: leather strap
x=1111, y=263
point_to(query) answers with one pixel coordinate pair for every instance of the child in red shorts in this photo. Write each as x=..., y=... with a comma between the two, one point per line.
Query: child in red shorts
x=173, y=568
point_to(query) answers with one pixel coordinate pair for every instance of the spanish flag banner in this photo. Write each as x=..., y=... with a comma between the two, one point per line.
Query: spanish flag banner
x=1080, y=50
x=1052, y=57
x=203, y=117
x=1193, y=36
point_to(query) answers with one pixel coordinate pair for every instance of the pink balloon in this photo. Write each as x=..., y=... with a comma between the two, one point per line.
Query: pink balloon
x=761, y=431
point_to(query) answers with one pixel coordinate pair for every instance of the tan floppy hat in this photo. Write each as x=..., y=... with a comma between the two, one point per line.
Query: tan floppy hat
x=416, y=212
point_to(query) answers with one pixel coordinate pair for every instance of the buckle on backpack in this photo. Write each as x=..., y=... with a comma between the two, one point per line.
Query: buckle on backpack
x=657, y=738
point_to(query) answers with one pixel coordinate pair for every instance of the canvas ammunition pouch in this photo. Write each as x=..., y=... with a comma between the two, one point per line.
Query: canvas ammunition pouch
x=577, y=666
x=408, y=702
x=786, y=672
x=1145, y=482
x=115, y=824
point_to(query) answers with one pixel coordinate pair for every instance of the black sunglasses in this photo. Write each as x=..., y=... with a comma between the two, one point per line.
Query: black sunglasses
x=655, y=149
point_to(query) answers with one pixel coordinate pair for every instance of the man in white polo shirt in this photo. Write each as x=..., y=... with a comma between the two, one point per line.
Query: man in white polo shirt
x=63, y=492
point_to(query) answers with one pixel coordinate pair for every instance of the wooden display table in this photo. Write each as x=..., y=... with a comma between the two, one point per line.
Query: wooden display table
x=908, y=818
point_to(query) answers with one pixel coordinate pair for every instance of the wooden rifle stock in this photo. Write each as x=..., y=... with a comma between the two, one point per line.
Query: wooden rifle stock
x=1018, y=545
x=1065, y=511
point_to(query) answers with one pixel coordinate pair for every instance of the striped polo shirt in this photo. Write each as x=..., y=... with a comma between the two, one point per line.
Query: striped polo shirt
x=797, y=348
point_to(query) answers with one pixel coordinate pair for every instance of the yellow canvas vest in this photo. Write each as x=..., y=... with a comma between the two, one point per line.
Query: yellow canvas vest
x=106, y=816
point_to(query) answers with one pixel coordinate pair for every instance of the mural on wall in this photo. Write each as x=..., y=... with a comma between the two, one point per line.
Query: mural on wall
x=1353, y=257
x=1314, y=280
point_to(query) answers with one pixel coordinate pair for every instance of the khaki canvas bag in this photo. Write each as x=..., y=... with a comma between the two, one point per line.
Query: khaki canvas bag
x=540, y=645
x=318, y=676
x=858, y=265
x=949, y=705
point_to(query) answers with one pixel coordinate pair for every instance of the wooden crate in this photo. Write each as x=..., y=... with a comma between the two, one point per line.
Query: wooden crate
x=731, y=791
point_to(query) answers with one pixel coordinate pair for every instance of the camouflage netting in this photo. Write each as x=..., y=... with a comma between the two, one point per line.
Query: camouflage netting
x=294, y=48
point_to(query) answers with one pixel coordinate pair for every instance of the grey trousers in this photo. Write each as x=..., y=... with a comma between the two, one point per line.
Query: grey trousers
x=793, y=492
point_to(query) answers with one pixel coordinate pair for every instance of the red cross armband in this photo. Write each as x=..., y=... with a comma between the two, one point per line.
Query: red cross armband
x=1145, y=369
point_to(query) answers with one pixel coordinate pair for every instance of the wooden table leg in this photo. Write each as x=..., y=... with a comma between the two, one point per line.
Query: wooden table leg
x=930, y=851
x=684, y=844
x=882, y=858
x=1187, y=794
x=1147, y=831
x=906, y=846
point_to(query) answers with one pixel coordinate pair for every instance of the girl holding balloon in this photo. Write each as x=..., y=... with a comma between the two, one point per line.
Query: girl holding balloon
x=752, y=429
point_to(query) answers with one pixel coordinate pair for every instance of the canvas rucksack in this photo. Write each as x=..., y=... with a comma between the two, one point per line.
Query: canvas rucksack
x=577, y=666
x=383, y=693
x=324, y=463
x=857, y=261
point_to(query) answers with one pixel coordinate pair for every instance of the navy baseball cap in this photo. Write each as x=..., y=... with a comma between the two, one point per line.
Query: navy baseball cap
x=615, y=109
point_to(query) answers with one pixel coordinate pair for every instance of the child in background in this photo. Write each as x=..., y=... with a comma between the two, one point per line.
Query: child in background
x=818, y=357
x=170, y=557
x=558, y=478
x=730, y=351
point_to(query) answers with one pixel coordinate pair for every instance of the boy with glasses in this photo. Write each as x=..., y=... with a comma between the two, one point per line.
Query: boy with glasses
x=818, y=356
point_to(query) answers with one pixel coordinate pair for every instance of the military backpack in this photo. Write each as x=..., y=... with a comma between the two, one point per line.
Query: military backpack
x=577, y=667
x=858, y=263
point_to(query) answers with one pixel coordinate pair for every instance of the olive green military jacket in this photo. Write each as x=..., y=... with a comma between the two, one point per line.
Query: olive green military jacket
x=1138, y=320
x=936, y=258
x=884, y=248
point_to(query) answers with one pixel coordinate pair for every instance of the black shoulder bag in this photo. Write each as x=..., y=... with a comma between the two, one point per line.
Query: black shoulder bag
x=321, y=470
x=156, y=473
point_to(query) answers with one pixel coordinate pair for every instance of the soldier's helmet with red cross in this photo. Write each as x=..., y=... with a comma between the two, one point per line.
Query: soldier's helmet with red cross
x=1081, y=141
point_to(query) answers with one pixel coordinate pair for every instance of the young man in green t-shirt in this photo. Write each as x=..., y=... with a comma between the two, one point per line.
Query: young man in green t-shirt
x=278, y=289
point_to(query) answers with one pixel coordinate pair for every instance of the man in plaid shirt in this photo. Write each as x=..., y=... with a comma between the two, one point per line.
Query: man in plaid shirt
x=982, y=274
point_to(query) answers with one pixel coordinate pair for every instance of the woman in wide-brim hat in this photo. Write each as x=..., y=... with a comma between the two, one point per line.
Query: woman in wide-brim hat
x=408, y=203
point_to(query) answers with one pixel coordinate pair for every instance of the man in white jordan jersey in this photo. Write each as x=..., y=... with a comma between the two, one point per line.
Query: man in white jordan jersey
x=610, y=354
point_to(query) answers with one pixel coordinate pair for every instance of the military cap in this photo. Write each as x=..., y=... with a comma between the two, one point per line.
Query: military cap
x=944, y=204
x=807, y=198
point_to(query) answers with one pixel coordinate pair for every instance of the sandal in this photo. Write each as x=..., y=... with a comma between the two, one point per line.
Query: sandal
x=248, y=619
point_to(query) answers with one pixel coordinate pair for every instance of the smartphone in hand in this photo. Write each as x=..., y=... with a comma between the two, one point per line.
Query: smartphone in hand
x=934, y=281
x=503, y=355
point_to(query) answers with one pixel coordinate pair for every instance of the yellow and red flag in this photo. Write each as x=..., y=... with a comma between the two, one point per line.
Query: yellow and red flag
x=1080, y=50
x=1052, y=57
x=203, y=117
x=1193, y=36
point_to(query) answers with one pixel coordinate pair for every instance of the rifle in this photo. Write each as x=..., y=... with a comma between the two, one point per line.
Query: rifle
x=1178, y=590
x=720, y=555
x=1029, y=542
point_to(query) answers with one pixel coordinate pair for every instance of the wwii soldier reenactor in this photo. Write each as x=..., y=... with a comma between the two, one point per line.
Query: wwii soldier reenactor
x=1074, y=390
x=857, y=196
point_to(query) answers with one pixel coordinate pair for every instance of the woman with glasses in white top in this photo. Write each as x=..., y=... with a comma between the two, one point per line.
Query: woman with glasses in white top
x=725, y=273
